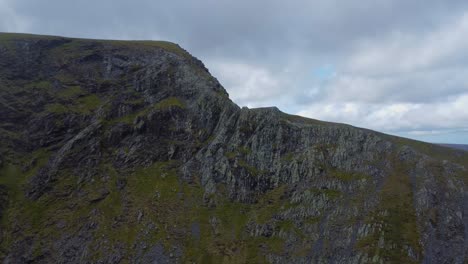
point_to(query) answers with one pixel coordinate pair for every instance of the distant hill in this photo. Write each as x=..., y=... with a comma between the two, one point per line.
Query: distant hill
x=456, y=146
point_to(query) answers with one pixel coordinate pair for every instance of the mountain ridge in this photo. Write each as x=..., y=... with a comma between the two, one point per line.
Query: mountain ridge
x=176, y=49
x=115, y=151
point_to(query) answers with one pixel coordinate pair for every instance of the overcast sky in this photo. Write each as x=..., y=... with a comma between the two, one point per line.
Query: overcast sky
x=398, y=66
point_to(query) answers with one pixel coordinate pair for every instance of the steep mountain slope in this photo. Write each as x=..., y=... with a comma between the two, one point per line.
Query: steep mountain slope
x=131, y=152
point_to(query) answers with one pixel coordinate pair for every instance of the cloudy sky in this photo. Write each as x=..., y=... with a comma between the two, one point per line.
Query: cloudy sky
x=396, y=66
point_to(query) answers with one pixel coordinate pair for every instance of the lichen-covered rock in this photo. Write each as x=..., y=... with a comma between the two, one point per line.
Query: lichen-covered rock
x=131, y=152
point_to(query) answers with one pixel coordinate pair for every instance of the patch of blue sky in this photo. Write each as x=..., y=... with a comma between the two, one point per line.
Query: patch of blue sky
x=325, y=72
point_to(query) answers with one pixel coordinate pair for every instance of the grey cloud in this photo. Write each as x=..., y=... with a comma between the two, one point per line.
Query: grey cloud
x=247, y=28
x=433, y=85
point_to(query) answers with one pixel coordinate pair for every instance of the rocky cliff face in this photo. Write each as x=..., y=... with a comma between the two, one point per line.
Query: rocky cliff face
x=131, y=152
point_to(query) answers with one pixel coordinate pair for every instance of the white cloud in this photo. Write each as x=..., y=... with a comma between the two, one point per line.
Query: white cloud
x=414, y=87
x=421, y=117
x=248, y=85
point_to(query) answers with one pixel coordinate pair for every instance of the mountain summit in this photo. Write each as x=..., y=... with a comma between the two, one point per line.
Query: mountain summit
x=131, y=152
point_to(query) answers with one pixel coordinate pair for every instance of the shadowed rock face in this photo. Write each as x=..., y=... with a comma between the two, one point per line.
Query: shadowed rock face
x=117, y=152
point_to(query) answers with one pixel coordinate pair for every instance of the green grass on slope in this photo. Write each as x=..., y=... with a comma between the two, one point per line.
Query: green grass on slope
x=170, y=102
x=154, y=207
x=19, y=208
x=18, y=36
x=436, y=152
x=82, y=105
x=395, y=222
x=77, y=42
x=71, y=92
